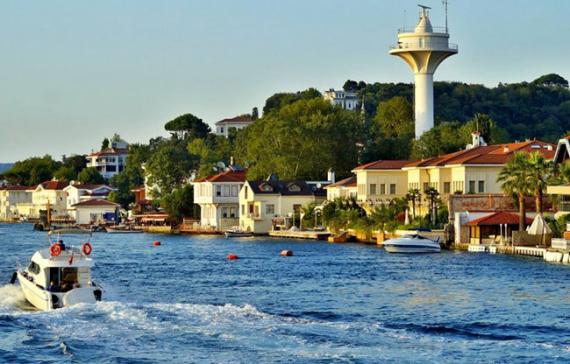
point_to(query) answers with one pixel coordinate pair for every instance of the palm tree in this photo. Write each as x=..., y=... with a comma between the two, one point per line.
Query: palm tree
x=413, y=196
x=432, y=196
x=540, y=173
x=514, y=180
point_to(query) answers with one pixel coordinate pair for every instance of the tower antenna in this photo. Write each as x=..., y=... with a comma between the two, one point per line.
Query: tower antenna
x=445, y=3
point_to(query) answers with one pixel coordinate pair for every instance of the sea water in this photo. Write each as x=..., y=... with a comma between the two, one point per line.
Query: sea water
x=184, y=301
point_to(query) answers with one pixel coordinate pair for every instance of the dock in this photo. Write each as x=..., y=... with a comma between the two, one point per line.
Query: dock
x=315, y=235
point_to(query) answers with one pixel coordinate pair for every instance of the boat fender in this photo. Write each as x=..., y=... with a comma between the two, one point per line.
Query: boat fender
x=55, y=249
x=86, y=248
x=98, y=294
x=286, y=253
x=232, y=256
x=156, y=243
x=14, y=277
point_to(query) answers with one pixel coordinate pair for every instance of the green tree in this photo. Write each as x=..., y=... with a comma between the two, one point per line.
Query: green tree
x=32, y=171
x=442, y=139
x=432, y=197
x=491, y=133
x=540, y=172
x=105, y=144
x=551, y=80
x=514, y=180
x=414, y=196
x=179, y=203
x=91, y=175
x=187, y=126
x=301, y=141
x=279, y=100
x=168, y=167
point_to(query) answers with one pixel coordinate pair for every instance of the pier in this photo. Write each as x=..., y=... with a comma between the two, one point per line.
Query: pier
x=315, y=235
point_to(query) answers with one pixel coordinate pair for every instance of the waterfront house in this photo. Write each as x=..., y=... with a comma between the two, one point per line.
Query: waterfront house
x=494, y=228
x=269, y=203
x=562, y=191
x=15, y=202
x=111, y=161
x=50, y=193
x=218, y=198
x=348, y=100
x=345, y=189
x=473, y=170
x=223, y=127
x=95, y=211
x=79, y=192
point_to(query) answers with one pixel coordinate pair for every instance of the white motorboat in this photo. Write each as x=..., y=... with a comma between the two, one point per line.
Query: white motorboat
x=236, y=232
x=413, y=243
x=59, y=276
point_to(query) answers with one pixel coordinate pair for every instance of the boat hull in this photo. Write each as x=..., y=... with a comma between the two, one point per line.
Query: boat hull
x=412, y=245
x=237, y=235
x=37, y=297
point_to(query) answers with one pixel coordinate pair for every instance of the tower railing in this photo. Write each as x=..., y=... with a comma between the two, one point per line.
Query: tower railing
x=437, y=30
x=425, y=45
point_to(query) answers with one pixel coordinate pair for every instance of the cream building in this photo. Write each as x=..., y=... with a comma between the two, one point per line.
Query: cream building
x=262, y=203
x=223, y=127
x=15, y=202
x=470, y=171
x=94, y=211
x=345, y=189
x=218, y=198
x=346, y=99
x=52, y=193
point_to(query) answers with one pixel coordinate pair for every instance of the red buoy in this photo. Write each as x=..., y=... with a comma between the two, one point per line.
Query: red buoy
x=286, y=253
x=156, y=243
x=232, y=256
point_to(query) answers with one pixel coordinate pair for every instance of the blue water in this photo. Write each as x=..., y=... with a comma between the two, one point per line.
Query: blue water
x=184, y=302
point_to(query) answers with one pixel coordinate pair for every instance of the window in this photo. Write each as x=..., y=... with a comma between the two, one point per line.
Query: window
x=266, y=187
x=426, y=185
x=481, y=186
x=34, y=268
x=222, y=130
x=224, y=212
x=373, y=189
x=446, y=187
x=218, y=190
x=233, y=212
x=392, y=188
x=383, y=189
x=234, y=191
x=269, y=209
x=294, y=187
x=251, y=208
x=471, y=187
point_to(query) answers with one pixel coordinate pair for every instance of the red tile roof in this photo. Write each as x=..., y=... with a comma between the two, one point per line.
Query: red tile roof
x=54, y=185
x=227, y=176
x=237, y=119
x=110, y=151
x=95, y=202
x=384, y=164
x=16, y=188
x=347, y=182
x=498, y=218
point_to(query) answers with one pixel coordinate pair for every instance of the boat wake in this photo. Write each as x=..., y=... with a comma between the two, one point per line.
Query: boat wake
x=12, y=299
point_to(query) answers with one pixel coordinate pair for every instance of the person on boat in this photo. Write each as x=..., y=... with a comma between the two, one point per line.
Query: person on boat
x=61, y=244
x=76, y=285
x=53, y=287
x=65, y=286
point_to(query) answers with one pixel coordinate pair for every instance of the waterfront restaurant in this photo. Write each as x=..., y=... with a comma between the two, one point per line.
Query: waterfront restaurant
x=494, y=228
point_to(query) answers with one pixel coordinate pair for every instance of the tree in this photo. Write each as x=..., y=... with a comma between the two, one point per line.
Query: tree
x=279, y=100
x=187, y=126
x=432, y=195
x=207, y=153
x=32, y=171
x=514, y=180
x=491, y=133
x=90, y=175
x=254, y=114
x=442, y=139
x=179, y=203
x=540, y=172
x=105, y=144
x=169, y=167
x=551, y=80
x=414, y=196
x=301, y=141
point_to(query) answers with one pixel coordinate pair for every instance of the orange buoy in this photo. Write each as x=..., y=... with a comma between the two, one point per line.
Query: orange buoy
x=156, y=243
x=286, y=253
x=232, y=256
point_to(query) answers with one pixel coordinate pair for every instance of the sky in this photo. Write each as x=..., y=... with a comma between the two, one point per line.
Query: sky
x=73, y=72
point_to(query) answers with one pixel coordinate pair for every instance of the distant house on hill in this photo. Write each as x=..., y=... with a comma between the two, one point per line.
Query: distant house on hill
x=348, y=100
x=111, y=161
x=223, y=127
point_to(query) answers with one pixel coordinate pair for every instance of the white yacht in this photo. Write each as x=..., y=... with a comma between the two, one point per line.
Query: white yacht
x=59, y=276
x=237, y=232
x=413, y=243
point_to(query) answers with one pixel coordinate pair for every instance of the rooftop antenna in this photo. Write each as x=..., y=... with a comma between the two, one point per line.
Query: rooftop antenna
x=445, y=3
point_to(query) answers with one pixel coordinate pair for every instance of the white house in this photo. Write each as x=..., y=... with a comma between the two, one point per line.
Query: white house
x=218, y=198
x=344, y=189
x=78, y=192
x=346, y=99
x=94, y=211
x=15, y=202
x=50, y=192
x=110, y=161
x=223, y=127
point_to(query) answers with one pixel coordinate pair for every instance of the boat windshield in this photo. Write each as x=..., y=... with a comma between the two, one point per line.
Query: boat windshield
x=62, y=279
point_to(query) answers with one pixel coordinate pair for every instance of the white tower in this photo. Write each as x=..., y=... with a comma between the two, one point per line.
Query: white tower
x=424, y=49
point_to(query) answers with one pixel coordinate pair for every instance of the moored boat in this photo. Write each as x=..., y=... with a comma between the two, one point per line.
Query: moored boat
x=413, y=243
x=236, y=232
x=59, y=276
x=122, y=230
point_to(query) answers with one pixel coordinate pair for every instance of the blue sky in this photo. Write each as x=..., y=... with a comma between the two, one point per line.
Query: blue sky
x=73, y=72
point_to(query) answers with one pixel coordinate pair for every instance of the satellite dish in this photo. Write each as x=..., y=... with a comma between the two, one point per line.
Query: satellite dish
x=221, y=165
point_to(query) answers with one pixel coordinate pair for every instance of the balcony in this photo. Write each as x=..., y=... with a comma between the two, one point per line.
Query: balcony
x=435, y=30
x=434, y=46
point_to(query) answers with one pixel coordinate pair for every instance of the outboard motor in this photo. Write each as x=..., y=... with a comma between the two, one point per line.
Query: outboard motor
x=14, y=277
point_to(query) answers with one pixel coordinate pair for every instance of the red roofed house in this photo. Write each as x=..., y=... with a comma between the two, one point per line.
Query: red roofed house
x=52, y=193
x=488, y=229
x=95, y=211
x=345, y=189
x=223, y=127
x=78, y=192
x=110, y=161
x=218, y=198
x=473, y=170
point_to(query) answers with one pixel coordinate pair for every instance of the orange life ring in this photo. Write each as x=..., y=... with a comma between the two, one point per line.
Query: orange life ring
x=55, y=250
x=86, y=248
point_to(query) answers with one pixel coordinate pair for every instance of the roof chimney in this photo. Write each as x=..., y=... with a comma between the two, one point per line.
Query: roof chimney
x=331, y=176
x=476, y=140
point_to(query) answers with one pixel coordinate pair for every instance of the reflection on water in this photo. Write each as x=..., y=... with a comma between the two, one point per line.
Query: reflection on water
x=184, y=302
